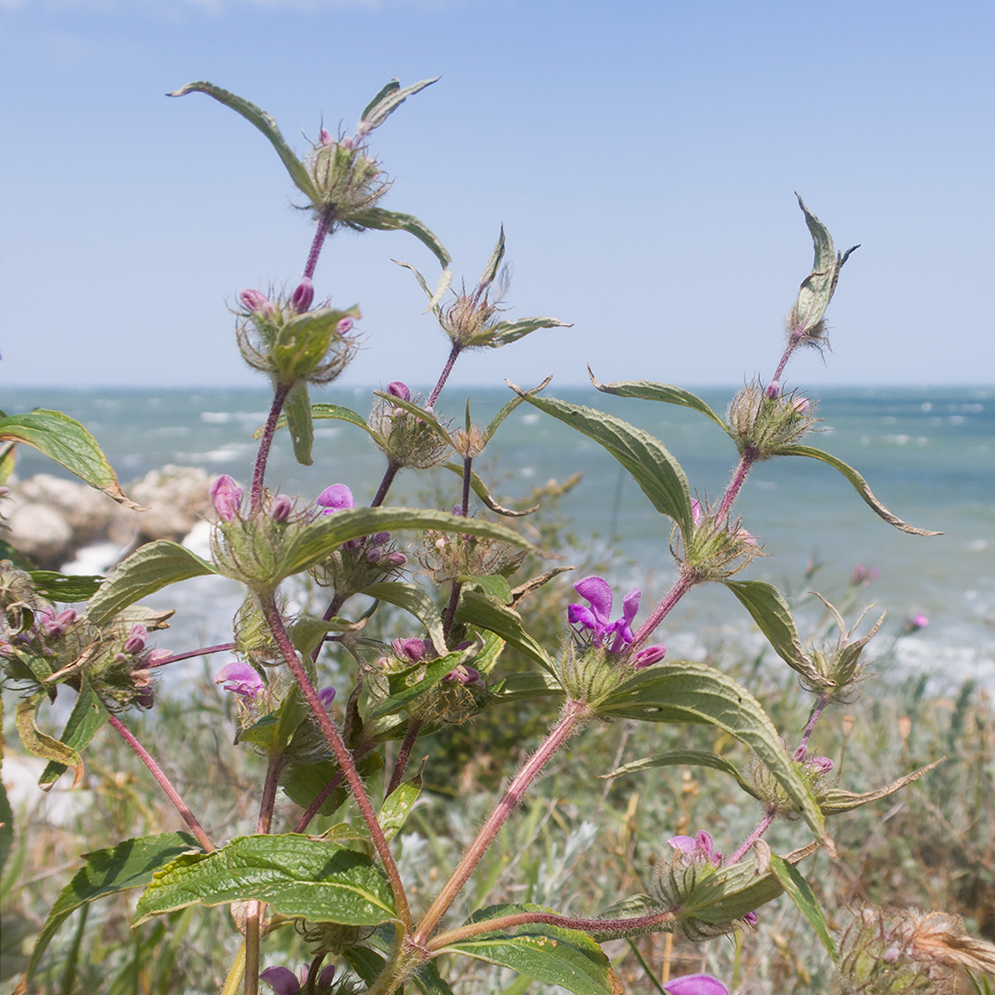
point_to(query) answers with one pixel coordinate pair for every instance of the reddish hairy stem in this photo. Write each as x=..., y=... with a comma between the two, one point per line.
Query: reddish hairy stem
x=523, y=779
x=446, y=370
x=253, y=921
x=816, y=712
x=762, y=827
x=793, y=340
x=683, y=585
x=220, y=648
x=551, y=919
x=279, y=396
x=746, y=461
x=156, y=771
x=324, y=221
x=272, y=615
x=403, y=756
x=388, y=478
x=268, y=802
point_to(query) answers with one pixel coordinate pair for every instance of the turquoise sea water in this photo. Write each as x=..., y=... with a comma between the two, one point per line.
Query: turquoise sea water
x=928, y=454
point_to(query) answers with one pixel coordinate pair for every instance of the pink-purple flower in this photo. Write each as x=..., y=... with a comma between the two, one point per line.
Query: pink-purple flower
x=335, y=498
x=241, y=678
x=226, y=496
x=615, y=636
x=695, y=984
x=697, y=849
x=283, y=981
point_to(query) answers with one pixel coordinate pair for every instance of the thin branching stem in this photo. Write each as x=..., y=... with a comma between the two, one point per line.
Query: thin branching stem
x=253, y=921
x=684, y=584
x=220, y=648
x=403, y=756
x=324, y=223
x=388, y=478
x=156, y=771
x=279, y=397
x=444, y=376
x=762, y=826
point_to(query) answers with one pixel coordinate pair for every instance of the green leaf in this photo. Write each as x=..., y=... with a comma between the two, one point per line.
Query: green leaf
x=800, y=892
x=66, y=441
x=836, y=800
x=414, y=600
x=486, y=613
x=859, y=484
x=324, y=536
x=686, y=758
x=39, y=744
x=504, y=333
x=771, y=613
x=302, y=783
x=429, y=982
x=388, y=100
x=298, y=409
x=395, y=810
x=480, y=489
x=526, y=686
x=128, y=865
x=817, y=288
x=365, y=962
x=325, y=411
x=434, y=296
x=506, y=410
x=266, y=125
x=681, y=691
x=438, y=429
x=88, y=715
x=494, y=263
x=494, y=586
x=658, y=474
x=423, y=677
x=297, y=875
x=667, y=393
x=550, y=954
x=66, y=588
x=149, y=569
x=8, y=452
x=378, y=218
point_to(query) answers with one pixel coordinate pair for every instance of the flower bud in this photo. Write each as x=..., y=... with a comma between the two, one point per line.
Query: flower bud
x=136, y=640
x=326, y=696
x=226, y=496
x=302, y=296
x=257, y=302
x=344, y=326
x=281, y=508
x=773, y=390
x=414, y=650
x=335, y=498
x=399, y=389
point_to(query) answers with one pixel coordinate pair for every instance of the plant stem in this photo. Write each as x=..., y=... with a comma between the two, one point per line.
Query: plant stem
x=684, y=584
x=762, y=827
x=739, y=477
x=645, y=966
x=388, y=478
x=156, y=771
x=446, y=370
x=410, y=738
x=220, y=648
x=816, y=712
x=268, y=801
x=279, y=396
x=235, y=974
x=272, y=615
x=324, y=222
x=793, y=341
x=573, y=713
x=254, y=914
x=619, y=926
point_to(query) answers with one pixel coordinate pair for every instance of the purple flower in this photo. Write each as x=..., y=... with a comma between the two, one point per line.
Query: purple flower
x=695, y=984
x=399, y=389
x=596, y=619
x=281, y=508
x=256, y=302
x=649, y=655
x=697, y=849
x=326, y=696
x=414, y=650
x=919, y=621
x=282, y=980
x=136, y=639
x=696, y=511
x=302, y=296
x=226, y=496
x=343, y=326
x=335, y=498
x=773, y=390
x=240, y=678
x=464, y=675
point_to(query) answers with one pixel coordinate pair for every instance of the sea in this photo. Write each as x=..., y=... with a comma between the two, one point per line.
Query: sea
x=928, y=453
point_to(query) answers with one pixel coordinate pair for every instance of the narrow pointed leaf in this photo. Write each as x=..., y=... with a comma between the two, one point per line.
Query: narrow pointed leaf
x=414, y=600
x=413, y=409
x=6, y=828
x=378, y=218
x=87, y=716
x=800, y=892
x=771, y=613
x=480, y=489
x=686, y=758
x=388, y=100
x=266, y=125
x=817, y=288
x=434, y=296
x=40, y=744
x=298, y=409
x=486, y=613
x=506, y=410
x=429, y=982
x=505, y=332
x=365, y=962
x=681, y=691
x=395, y=810
x=836, y=800
x=667, y=393
x=550, y=954
x=859, y=484
x=494, y=263
x=297, y=875
x=149, y=569
x=66, y=441
x=322, y=537
x=658, y=474
x=325, y=411
x=128, y=865
x=67, y=588
x=8, y=451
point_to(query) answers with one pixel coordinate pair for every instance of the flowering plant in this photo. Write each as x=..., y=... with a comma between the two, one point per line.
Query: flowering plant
x=366, y=929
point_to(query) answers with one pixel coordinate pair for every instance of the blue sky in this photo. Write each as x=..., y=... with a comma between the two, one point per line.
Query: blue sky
x=641, y=155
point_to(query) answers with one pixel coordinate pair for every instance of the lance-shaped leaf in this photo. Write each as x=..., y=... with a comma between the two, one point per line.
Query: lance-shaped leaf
x=412, y=682
x=800, y=892
x=434, y=296
x=326, y=411
x=480, y=489
x=771, y=613
x=412, y=599
x=66, y=441
x=106, y=872
x=859, y=484
x=658, y=474
x=297, y=875
x=550, y=954
x=486, y=613
x=503, y=333
x=819, y=286
x=395, y=810
x=87, y=716
x=390, y=97
x=8, y=452
x=67, y=588
x=317, y=540
x=836, y=800
x=526, y=686
x=382, y=220
x=686, y=758
x=647, y=390
x=266, y=125
x=298, y=410
x=149, y=569
x=681, y=691
x=40, y=744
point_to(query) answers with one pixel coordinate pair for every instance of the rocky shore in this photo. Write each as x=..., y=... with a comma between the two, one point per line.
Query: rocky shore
x=49, y=519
